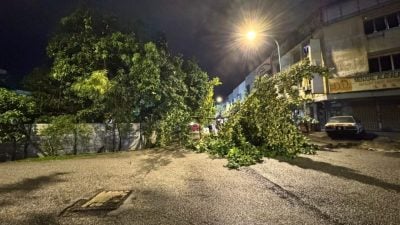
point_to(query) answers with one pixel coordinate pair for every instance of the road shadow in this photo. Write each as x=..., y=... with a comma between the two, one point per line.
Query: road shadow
x=392, y=154
x=340, y=171
x=361, y=137
x=32, y=218
x=31, y=184
x=41, y=218
x=157, y=158
x=5, y=202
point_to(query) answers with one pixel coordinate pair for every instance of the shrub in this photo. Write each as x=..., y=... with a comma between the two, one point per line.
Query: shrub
x=59, y=133
x=245, y=155
x=218, y=147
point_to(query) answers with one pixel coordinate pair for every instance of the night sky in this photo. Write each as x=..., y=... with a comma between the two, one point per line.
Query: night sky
x=195, y=28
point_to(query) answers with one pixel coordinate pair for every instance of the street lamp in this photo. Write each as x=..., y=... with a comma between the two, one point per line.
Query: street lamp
x=252, y=35
x=219, y=99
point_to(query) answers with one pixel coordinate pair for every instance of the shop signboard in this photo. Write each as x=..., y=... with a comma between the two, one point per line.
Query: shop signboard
x=366, y=82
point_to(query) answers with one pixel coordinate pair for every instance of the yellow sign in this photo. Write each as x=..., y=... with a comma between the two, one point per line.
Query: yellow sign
x=374, y=81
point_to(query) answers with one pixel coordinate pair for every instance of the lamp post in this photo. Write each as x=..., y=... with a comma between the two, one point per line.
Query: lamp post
x=279, y=53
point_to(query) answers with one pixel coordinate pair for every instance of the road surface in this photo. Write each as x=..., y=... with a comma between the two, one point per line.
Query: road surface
x=180, y=187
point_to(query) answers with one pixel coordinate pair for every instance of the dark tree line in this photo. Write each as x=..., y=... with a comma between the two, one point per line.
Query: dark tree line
x=103, y=72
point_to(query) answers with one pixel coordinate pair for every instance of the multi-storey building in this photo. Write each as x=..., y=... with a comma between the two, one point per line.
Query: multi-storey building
x=359, y=42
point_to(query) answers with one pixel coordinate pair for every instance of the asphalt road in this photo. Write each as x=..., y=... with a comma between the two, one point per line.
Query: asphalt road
x=179, y=187
x=348, y=186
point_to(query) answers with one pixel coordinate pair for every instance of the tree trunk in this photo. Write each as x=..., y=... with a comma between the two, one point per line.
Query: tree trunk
x=75, y=147
x=120, y=138
x=140, y=134
x=113, y=137
x=27, y=140
x=14, y=152
x=26, y=145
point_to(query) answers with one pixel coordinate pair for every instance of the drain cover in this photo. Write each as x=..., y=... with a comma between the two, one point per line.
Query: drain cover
x=103, y=201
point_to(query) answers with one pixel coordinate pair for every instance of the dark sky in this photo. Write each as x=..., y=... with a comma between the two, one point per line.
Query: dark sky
x=194, y=28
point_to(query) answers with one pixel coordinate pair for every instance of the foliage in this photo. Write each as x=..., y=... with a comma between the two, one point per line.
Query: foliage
x=170, y=115
x=196, y=81
x=264, y=123
x=245, y=155
x=94, y=87
x=287, y=82
x=101, y=72
x=207, y=110
x=64, y=130
x=214, y=146
x=15, y=112
x=207, y=107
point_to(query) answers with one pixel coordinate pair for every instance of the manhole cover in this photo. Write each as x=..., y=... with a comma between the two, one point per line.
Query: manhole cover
x=103, y=201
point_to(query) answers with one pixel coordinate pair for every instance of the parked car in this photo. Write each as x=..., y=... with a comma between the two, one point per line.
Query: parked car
x=343, y=125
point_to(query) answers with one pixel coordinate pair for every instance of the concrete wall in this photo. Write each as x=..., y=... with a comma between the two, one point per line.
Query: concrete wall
x=101, y=138
x=384, y=42
x=344, y=47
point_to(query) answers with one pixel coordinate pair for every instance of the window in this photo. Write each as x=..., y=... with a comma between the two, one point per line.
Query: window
x=373, y=65
x=396, y=61
x=380, y=24
x=392, y=20
x=386, y=63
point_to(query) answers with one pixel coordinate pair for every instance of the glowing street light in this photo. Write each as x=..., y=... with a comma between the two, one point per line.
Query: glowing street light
x=251, y=34
x=219, y=99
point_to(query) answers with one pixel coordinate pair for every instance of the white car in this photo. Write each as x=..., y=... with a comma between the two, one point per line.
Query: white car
x=343, y=125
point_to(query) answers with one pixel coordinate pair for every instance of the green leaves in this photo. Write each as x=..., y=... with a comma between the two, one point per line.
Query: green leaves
x=207, y=107
x=58, y=134
x=100, y=72
x=15, y=111
x=263, y=124
x=93, y=87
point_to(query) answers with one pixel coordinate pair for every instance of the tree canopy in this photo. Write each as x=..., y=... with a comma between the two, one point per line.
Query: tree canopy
x=16, y=111
x=101, y=72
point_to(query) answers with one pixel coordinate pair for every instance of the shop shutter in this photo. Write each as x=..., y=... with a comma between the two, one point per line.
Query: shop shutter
x=390, y=115
x=366, y=112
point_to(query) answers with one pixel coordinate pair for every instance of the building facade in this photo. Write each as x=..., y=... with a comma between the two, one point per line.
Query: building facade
x=359, y=42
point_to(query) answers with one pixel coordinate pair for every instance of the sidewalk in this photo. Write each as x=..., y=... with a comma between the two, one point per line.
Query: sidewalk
x=376, y=141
